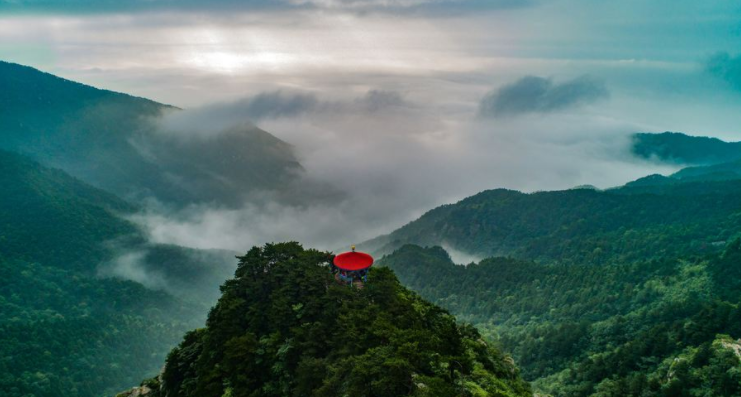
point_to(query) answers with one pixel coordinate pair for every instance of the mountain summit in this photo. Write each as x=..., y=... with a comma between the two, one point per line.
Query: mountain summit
x=285, y=327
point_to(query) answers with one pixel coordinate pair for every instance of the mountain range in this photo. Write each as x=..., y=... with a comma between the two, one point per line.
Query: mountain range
x=652, y=327
x=610, y=292
x=682, y=149
x=630, y=291
x=691, y=211
x=119, y=143
x=580, y=224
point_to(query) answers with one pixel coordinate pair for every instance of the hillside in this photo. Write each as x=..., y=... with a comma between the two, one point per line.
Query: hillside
x=652, y=328
x=729, y=171
x=64, y=330
x=284, y=327
x=581, y=225
x=680, y=148
x=114, y=141
x=631, y=291
x=720, y=172
x=51, y=217
x=690, y=211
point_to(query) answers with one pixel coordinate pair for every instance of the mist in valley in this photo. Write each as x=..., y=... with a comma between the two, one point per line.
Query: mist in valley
x=394, y=108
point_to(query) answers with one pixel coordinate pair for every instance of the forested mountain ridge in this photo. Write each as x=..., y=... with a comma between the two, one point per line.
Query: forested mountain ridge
x=581, y=225
x=693, y=176
x=651, y=328
x=116, y=142
x=721, y=171
x=284, y=326
x=690, y=211
x=684, y=149
x=630, y=291
x=64, y=329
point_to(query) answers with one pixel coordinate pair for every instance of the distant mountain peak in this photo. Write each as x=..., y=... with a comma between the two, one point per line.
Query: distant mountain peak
x=114, y=141
x=680, y=148
x=14, y=75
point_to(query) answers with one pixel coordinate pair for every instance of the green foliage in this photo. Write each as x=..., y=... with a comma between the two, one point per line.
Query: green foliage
x=48, y=216
x=686, y=176
x=284, y=327
x=582, y=225
x=684, y=149
x=591, y=298
x=585, y=330
x=64, y=331
x=719, y=172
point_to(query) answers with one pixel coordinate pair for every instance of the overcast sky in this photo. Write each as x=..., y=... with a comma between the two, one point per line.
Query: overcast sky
x=405, y=104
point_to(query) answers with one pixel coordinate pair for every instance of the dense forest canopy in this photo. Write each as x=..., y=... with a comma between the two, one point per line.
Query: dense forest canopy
x=64, y=330
x=662, y=327
x=285, y=327
x=632, y=291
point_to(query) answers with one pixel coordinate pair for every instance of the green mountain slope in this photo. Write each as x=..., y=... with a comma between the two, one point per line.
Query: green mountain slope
x=48, y=216
x=581, y=225
x=284, y=327
x=680, y=148
x=632, y=291
x=63, y=329
x=719, y=172
x=652, y=328
x=114, y=142
x=729, y=171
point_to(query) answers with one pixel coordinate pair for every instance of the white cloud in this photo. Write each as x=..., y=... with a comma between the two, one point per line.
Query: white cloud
x=130, y=265
x=413, y=142
x=389, y=159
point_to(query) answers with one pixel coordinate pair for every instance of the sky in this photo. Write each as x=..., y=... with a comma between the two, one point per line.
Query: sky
x=402, y=105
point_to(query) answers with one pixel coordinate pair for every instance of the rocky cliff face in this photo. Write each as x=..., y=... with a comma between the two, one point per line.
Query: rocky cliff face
x=139, y=392
x=148, y=388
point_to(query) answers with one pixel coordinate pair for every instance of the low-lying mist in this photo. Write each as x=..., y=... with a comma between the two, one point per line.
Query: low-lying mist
x=192, y=274
x=375, y=161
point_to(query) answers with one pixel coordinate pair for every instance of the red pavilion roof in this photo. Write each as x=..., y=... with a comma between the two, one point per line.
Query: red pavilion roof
x=353, y=261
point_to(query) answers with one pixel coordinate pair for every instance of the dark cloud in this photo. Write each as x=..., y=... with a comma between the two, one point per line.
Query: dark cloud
x=726, y=67
x=278, y=104
x=532, y=94
x=376, y=100
x=216, y=118
x=211, y=120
